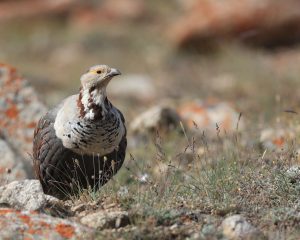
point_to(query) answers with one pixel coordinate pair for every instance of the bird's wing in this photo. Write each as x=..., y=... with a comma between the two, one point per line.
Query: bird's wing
x=123, y=144
x=47, y=148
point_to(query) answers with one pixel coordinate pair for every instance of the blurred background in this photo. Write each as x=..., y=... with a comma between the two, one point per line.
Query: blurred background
x=243, y=52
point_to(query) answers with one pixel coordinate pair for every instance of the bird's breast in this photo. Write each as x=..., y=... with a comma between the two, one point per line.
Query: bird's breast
x=93, y=137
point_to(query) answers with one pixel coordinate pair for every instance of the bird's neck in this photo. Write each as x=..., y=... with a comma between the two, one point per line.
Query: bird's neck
x=93, y=103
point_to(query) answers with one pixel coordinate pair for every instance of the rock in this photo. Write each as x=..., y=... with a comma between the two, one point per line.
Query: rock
x=25, y=195
x=106, y=11
x=136, y=87
x=210, y=117
x=20, y=110
x=265, y=23
x=15, y=224
x=106, y=219
x=123, y=9
x=158, y=117
x=32, y=8
x=11, y=167
x=236, y=227
x=293, y=174
x=276, y=139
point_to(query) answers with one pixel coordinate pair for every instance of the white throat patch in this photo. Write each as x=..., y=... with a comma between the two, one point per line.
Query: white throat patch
x=97, y=96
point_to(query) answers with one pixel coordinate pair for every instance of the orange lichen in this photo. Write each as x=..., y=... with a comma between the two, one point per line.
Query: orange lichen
x=65, y=230
x=191, y=107
x=12, y=112
x=31, y=125
x=5, y=211
x=278, y=141
x=27, y=238
x=43, y=225
x=2, y=170
x=25, y=218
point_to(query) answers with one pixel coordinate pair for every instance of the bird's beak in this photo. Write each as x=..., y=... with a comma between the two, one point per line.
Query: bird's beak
x=113, y=72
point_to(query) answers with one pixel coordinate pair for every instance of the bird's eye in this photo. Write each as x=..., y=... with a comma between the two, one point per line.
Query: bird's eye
x=99, y=71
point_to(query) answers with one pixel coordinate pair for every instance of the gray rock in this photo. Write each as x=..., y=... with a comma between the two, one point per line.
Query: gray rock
x=25, y=195
x=138, y=87
x=15, y=224
x=158, y=117
x=11, y=167
x=106, y=219
x=236, y=227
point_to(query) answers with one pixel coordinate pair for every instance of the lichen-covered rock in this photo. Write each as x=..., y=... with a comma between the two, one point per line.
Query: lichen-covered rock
x=20, y=110
x=25, y=195
x=277, y=138
x=11, y=167
x=106, y=219
x=213, y=118
x=236, y=227
x=15, y=224
x=32, y=8
x=264, y=23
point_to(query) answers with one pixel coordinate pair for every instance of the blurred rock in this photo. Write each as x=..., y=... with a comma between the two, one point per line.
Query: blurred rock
x=135, y=87
x=20, y=110
x=210, y=117
x=268, y=23
x=11, y=167
x=276, y=139
x=25, y=195
x=32, y=8
x=237, y=228
x=108, y=11
x=106, y=219
x=15, y=224
x=160, y=117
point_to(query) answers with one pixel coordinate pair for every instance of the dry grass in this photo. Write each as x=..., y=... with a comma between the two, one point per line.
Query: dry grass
x=231, y=178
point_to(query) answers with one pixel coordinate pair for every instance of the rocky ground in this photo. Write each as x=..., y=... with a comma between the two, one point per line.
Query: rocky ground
x=210, y=96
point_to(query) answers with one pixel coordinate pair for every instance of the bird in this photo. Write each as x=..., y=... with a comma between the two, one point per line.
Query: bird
x=81, y=143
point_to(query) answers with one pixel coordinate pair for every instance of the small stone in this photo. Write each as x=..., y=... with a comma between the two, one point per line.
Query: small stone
x=106, y=219
x=25, y=195
x=174, y=226
x=156, y=118
x=237, y=228
x=293, y=174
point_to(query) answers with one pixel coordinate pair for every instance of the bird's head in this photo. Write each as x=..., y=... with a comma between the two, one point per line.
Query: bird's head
x=98, y=76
